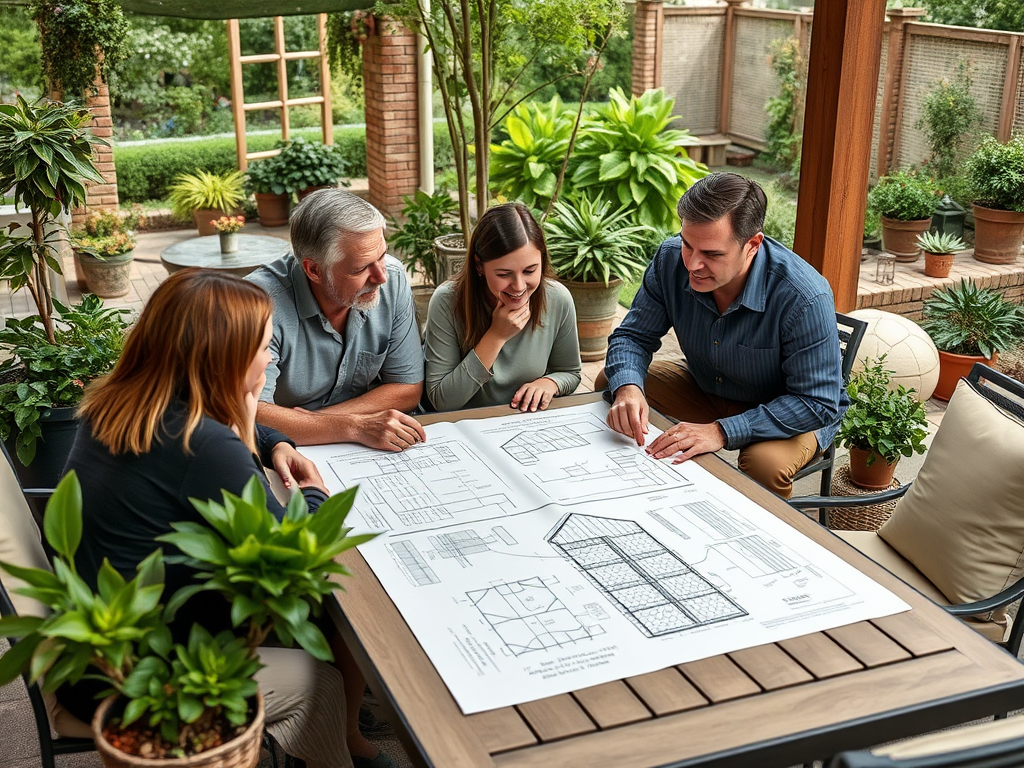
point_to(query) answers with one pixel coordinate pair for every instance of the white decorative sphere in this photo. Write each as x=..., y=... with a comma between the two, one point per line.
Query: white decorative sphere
x=910, y=352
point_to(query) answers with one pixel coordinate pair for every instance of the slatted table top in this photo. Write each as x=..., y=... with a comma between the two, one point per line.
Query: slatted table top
x=774, y=705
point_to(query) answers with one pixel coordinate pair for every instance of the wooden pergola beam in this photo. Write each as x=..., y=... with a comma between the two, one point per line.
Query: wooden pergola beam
x=846, y=40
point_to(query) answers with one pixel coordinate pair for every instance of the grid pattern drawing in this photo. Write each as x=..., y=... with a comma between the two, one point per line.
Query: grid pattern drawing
x=527, y=616
x=527, y=447
x=649, y=584
x=412, y=563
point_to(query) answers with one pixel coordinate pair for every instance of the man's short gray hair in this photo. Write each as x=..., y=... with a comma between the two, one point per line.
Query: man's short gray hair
x=320, y=222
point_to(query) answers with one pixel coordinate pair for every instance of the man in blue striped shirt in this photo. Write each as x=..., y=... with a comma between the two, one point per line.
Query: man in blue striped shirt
x=757, y=327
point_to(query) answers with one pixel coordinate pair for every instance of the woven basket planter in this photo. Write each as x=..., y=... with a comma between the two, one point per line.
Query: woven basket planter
x=861, y=518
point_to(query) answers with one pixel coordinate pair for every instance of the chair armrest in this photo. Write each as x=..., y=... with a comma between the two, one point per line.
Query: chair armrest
x=1008, y=595
x=845, y=502
x=38, y=493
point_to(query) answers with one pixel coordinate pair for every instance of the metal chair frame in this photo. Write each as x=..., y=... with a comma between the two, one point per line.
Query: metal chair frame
x=1003, y=754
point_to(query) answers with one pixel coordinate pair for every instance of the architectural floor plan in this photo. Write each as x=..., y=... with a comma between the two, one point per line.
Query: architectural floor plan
x=536, y=554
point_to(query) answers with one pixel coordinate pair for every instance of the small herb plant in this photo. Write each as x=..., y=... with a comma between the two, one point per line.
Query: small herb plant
x=228, y=225
x=88, y=341
x=904, y=196
x=967, y=320
x=996, y=172
x=889, y=422
x=428, y=217
x=940, y=242
x=273, y=573
x=200, y=191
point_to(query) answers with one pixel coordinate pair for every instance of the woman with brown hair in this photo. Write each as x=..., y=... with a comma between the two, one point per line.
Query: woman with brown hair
x=504, y=331
x=175, y=420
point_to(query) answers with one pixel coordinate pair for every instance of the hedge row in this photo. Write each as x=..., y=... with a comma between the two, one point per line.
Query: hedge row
x=145, y=171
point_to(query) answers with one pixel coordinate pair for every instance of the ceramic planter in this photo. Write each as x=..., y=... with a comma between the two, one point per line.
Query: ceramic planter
x=997, y=235
x=241, y=752
x=875, y=477
x=449, y=256
x=108, y=277
x=204, y=219
x=937, y=264
x=228, y=242
x=954, y=367
x=900, y=237
x=272, y=209
x=595, y=311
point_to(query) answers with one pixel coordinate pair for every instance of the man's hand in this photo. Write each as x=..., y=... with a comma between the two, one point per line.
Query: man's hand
x=535, y=395
x=628, y=414
x=506, y=322
x=389, y=430
x=687, y=440
x=295, y=469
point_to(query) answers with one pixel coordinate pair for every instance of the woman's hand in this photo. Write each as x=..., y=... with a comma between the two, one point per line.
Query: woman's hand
x=535, y=395
x=295, y=469
x=507, y=322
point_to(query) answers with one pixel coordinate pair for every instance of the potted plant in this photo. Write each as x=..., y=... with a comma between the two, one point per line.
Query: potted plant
x=306, y=166
x=265, y=180
x=205, y=196
x=905, y=201
x=103, y=246
x=882, y=424
x=872, y=237
x=593, y=251
x=968, y=325
x=996, y=173
x=228, y=228
x=187, y=705
x=938, y=252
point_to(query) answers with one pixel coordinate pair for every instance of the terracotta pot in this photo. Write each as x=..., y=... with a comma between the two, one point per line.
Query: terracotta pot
x=595, y=311
x=952, y=368
x=241, y=752
x=875, y=477
x=900, y=237
x=108, y=277
x=306, y=191
x=203, y=218
x=937, y=264
x=997, y=235
x=272, y=209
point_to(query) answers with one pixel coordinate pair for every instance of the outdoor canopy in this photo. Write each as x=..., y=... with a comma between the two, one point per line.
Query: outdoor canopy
x=240, y=9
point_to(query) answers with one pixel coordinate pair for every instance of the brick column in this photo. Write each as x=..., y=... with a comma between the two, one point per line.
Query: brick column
x=392, y=128
x=892, y=90
x=101, y=196
x=648, y=17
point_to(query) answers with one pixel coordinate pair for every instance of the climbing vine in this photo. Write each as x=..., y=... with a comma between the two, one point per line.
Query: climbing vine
x=784, y=139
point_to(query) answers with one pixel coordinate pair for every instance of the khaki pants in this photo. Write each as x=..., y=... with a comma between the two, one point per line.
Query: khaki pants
x=671, y=390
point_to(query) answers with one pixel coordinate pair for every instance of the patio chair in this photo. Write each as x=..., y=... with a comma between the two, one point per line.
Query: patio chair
x=998, y=744
x=958, y=530
x=851, y=332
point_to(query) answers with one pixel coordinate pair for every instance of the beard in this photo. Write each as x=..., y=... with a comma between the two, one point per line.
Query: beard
x=366, y=299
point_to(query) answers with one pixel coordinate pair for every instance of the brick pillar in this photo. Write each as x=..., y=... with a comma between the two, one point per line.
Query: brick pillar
x=100, y=196
x=892, y=90
x=648, y=17
x=392, y=128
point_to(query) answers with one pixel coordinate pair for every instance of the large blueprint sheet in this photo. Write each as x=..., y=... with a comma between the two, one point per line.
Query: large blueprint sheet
x=537, y=554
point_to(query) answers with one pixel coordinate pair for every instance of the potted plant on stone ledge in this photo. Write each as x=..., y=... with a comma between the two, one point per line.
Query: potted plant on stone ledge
x=883, y=423
x=194, y=705
x=905, y=201
x=996, y=173
x=939, y=249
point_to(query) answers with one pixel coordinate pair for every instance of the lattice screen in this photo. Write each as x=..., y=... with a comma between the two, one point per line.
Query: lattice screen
x=878, y=129
x=691, y=69
x=754, y=82
x=1018, y=109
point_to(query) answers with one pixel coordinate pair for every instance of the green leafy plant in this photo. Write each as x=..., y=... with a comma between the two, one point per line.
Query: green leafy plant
x=967, y=320
x=42, y=374
x=586, y=243
x=872, y=223
x=784, y=139
x=273, y=573
x=904, y=196
x=940, y=242
x=950, y=116
x=628, y=157
x=996, y=172
x=304, y=164
x=885, y=420
x=427, y=217
x=266, y=177
x=780, y=215
x=107, y=233
x=202, y=190
x=46, y=158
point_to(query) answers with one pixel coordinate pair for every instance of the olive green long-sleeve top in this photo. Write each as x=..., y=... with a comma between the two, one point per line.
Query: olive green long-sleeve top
x=455, y=380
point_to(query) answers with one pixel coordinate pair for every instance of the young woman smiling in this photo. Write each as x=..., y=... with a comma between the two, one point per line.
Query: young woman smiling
x=503, y=331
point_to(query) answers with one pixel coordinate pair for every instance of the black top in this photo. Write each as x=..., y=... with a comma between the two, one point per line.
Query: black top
x=128, y=500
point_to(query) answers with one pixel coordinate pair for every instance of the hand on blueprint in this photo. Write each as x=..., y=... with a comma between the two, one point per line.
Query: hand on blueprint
x=535, y=395
x=687, y=440
x=295, y=469
x=628, y=414
x=389, y=430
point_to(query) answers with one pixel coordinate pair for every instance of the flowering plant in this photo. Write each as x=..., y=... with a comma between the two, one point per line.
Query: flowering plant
x=228, y=225
x=107, y=233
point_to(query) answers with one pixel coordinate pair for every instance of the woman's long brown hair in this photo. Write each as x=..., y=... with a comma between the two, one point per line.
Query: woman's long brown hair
x=501, y=230
x=195, y=339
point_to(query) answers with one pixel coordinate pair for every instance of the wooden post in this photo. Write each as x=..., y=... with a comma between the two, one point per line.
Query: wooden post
x=728, y=64
x=237, y=99
x=326, y=113
x=892, y=92
x=841, y=85
x=282, y=76
x=1009, y=89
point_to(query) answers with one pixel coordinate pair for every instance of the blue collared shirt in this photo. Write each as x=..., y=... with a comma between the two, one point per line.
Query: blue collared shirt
x=776, y=347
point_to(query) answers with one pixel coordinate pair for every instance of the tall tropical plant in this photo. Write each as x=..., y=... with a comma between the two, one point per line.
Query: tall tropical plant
x=46, y=159
x=628, y=157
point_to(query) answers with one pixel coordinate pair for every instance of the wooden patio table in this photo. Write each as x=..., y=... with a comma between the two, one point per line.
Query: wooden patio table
x=774, y=705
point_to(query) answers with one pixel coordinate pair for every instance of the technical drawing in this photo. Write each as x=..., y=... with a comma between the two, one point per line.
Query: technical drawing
x=716, y=522
x=457, y=544
x=650, y=585
x=412, y=564
x=759, y=557
x=527, y=447
x=527, y=616
x=623, y=471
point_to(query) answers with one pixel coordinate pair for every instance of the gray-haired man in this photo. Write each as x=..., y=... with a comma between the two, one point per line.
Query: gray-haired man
x=346, y=360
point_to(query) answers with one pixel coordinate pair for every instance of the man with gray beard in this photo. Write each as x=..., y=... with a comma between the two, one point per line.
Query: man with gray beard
x=346, y=361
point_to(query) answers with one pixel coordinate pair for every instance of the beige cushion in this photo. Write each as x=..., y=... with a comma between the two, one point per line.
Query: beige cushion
x=962, y=522
x=950, y=741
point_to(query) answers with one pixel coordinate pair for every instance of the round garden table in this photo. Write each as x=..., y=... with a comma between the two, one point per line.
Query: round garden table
x=253, y=251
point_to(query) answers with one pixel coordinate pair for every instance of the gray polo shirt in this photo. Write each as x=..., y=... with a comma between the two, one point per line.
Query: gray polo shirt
x=312, y=365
